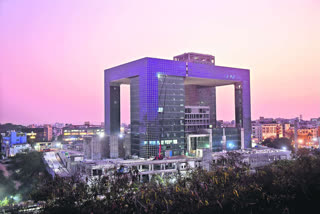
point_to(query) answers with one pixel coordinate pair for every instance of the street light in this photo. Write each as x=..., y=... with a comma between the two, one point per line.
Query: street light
x=101, y=135
x=284, y=148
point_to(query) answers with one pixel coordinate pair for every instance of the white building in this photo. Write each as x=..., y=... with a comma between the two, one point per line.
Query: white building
x=19, y=148
x=256, y=133
x=272, y=130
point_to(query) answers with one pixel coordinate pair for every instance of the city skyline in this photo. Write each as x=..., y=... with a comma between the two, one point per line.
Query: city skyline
x=53, y=60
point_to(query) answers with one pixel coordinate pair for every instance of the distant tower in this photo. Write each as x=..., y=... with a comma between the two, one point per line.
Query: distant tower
x=296, y=135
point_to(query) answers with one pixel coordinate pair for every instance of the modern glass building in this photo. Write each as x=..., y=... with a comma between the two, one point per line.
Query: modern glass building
x=232, y=136
x=159, y=91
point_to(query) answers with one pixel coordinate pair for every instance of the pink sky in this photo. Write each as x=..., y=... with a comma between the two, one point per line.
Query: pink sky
x=53, y=53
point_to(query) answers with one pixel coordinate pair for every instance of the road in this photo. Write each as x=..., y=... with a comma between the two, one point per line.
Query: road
x=55, y=165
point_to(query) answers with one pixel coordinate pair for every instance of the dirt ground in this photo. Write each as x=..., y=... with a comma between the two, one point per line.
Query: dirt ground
x=4, y=169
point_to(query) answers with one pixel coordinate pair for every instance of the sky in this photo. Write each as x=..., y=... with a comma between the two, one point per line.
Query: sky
x=53, y=53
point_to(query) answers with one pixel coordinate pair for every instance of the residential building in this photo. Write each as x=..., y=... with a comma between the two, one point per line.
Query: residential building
x=74, y=134
x=257, y=133
x=307, y=137
x=38, y=134
x=13, y=143
x=15, y=138
x=272, y=130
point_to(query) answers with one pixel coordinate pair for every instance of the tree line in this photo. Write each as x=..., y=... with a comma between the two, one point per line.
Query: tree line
x=286, y=186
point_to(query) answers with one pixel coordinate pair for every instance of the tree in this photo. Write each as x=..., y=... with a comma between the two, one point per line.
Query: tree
x=278, y=143
x=282, y=187
x=28, y=170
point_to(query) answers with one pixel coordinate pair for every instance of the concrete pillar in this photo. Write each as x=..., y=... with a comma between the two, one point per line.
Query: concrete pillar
x=242, y=138
x=238, y=105
x=115, y=109
x=296, y=135
x=224, y=140
x=112, y=107
x=243, y=110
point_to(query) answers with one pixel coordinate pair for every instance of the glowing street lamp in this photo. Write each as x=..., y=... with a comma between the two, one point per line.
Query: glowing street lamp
x=101, y=135
x=58, y=144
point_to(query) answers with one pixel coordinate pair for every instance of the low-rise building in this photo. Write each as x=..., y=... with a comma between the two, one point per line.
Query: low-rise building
x=13, y=143
x=15, y=138
x=74, y=134
x=19, y=148
x=271, y=130
x=308, y=137
x=146, y=168
x=40, y=134
x=257, y=133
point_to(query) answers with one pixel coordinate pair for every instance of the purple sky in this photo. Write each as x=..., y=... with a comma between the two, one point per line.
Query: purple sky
x=53, y=53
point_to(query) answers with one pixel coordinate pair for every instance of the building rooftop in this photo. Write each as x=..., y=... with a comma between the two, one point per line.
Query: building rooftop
x=195, y=58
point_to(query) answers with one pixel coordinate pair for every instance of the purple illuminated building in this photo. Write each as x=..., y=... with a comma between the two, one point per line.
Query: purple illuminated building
x=159, y=91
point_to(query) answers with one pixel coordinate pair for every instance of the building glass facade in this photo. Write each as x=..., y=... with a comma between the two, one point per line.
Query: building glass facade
x=134, y=115
x=165, y=125
x=233, y=139
x=160, y=89
x=171, y=98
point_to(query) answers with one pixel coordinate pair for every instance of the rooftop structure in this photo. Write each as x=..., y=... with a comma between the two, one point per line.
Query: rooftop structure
x=196, y=58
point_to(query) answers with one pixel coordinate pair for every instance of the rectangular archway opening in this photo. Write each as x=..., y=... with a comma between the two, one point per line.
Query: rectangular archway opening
x=124, y=106
x=225, y=106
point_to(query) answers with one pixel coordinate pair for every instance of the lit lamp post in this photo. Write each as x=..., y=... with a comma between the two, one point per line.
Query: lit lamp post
x=300, y=141
x=315, y=141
